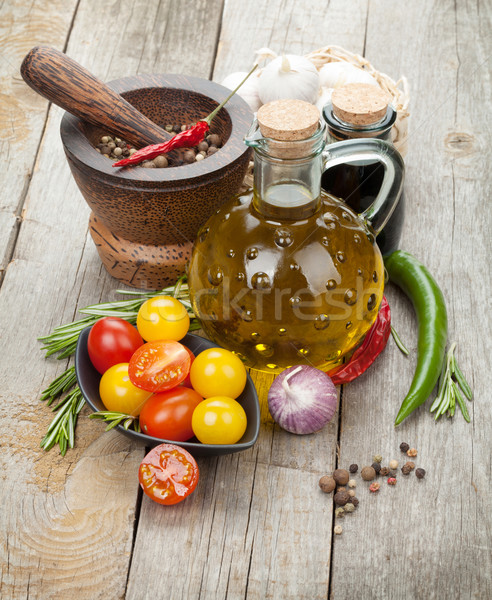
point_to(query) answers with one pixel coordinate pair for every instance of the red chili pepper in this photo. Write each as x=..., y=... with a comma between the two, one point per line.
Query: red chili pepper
x=372, y=346
x=185, y=139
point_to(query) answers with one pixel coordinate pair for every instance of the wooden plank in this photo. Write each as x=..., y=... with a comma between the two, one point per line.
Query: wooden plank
x=257, y=526
x=430, y=538
x=62, y=514
x=22, y=112
x=285, y=26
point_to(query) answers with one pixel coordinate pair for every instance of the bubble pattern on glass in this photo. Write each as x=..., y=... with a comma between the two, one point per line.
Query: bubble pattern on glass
x=299, y=292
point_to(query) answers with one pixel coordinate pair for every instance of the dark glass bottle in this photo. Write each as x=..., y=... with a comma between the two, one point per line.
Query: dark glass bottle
x=354, y=113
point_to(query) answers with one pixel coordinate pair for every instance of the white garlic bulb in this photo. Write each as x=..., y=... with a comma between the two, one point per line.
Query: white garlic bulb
x=336, y=74
x=248, y=91
x=289, y=77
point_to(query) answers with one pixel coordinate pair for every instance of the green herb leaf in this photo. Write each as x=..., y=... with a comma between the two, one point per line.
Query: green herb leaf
x=398, y=341
x=115, y=418
x=448, y=392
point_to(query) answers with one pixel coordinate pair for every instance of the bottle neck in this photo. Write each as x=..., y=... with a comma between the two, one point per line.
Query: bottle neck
x=287, y=177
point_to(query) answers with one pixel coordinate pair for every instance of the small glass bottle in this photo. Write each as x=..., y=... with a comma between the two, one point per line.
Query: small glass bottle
x=360, y=110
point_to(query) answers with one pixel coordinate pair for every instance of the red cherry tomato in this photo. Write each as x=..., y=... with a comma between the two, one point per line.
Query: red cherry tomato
x=167, y=415
x=112, y=341
x=159, y=366
x=187, y=381
x=168, y=474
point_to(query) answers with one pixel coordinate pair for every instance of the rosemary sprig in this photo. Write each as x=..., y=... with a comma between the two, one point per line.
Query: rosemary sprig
x=452, y=386
x=398, y=341
x=115, y=418
x=62, y=428
x=63, y=342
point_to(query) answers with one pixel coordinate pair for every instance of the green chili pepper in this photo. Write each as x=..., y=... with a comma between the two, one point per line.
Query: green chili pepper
x=421, y=288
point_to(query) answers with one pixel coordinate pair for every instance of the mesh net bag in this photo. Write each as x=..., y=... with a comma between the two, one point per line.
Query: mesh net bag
x=398, y=90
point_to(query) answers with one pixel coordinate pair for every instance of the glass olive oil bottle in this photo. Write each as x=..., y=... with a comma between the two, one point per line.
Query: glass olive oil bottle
x=287, y=274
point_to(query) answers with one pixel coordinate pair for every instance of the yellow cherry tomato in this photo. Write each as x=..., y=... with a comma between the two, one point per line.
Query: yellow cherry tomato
x=163, y=318
x=118, y=393
x=218, y=372
x=219, y=420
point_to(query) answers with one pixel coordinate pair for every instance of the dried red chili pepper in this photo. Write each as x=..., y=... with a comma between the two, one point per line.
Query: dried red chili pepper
x=185, y=139
x=372, y=346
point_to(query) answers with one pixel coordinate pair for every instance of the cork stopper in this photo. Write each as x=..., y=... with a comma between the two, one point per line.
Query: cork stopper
x=288, y=120
x=360, y=103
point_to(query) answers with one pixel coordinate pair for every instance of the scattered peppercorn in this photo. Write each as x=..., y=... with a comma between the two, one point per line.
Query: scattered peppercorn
x=393, y=464
x=420, y=473
x=327, y=484
x=410, y=465
x=352, y=483
x=368, y=473
x=355, y=501
x=405, y=469
x=412, y=452
x=341, y=498
x=391, y=480
x=374, y=487
x=354, y=468
x=351, y=493
x=341, y=476
x=339, y=512
x=341, y=489
x=377, y=458
x=338, y=529
x=384, y=471
x=404, y=446
x=349, y=507
x=376, y=466
x=392, y=473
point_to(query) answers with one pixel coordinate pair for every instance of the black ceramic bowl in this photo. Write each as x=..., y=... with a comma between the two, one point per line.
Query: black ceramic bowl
x=88, y=379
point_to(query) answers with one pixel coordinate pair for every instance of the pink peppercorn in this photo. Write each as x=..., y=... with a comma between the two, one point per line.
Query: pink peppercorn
x=374, y=487
x=391, y=480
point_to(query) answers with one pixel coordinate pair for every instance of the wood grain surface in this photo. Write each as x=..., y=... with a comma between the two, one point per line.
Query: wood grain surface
x=257, y=525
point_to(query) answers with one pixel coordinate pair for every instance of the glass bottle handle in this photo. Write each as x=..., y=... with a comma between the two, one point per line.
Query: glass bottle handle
x=349, y=151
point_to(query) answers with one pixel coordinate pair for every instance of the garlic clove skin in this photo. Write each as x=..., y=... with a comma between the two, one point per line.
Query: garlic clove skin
x=248, y=91
x=289, y=77
x=336, y=74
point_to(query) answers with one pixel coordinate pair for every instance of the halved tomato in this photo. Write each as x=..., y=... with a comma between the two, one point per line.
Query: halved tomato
x=168, y=474
x=159, y=366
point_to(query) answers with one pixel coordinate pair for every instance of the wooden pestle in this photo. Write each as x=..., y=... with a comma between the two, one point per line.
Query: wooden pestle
x=69, y=85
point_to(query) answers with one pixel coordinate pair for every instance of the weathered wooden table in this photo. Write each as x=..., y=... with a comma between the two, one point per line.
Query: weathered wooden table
x=257, y=525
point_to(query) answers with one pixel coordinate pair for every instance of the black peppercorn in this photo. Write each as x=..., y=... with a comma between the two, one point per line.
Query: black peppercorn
x=355, y=501
x=420, y=473
x=354, y=468
x=404, y=446
x=384, y=471
x=376, y=466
